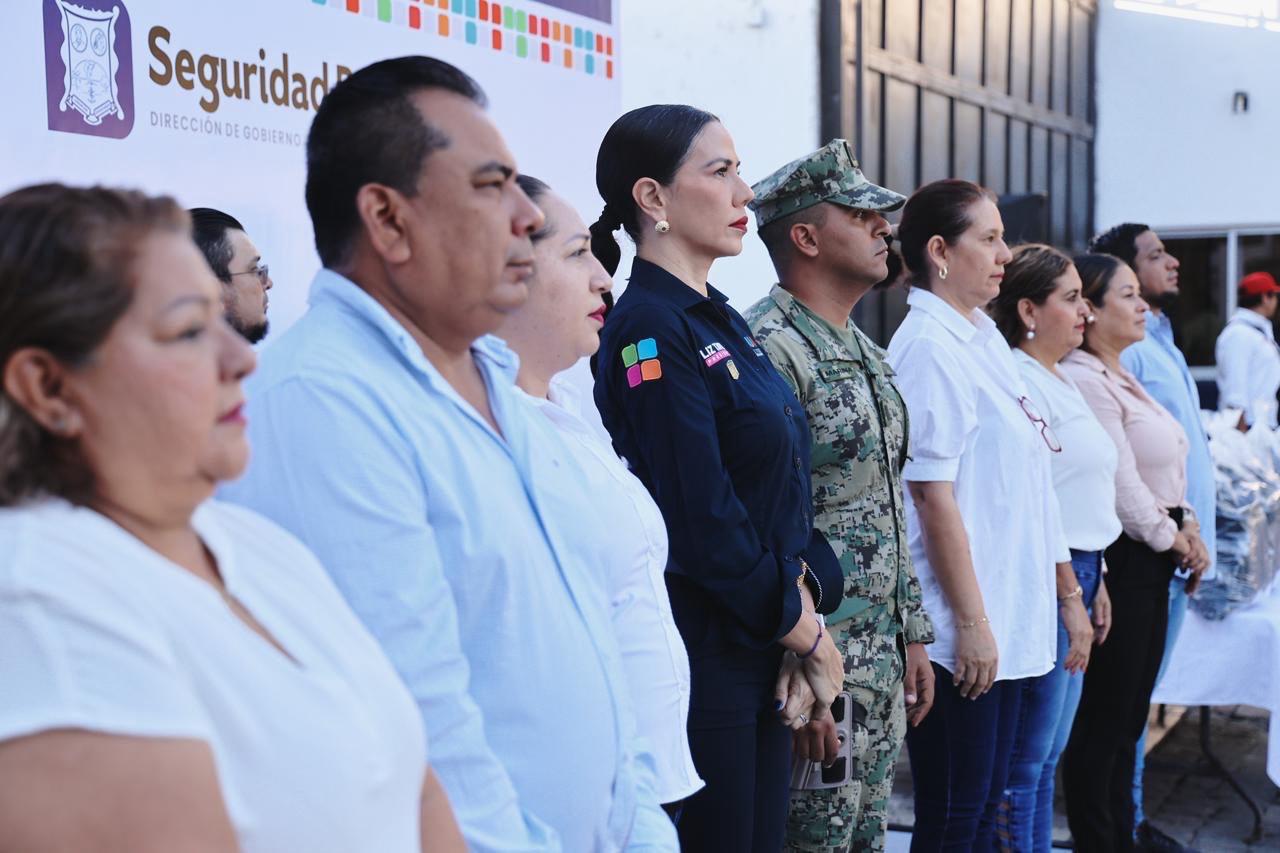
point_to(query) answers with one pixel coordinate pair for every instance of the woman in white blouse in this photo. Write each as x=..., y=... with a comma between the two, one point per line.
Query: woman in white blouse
x=1042, y=314
x=557, y=327
x=177, y=674
x=983, y=524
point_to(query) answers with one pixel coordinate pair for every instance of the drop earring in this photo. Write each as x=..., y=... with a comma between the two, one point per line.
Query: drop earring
x=662, y=226
x=1031, y=333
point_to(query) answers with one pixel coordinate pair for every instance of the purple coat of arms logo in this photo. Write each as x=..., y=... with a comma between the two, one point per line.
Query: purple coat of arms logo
x=88, y=67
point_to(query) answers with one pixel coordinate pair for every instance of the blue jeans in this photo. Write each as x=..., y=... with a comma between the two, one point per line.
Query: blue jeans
x=1049, y=703
x=1177, y=613
x=960, y=764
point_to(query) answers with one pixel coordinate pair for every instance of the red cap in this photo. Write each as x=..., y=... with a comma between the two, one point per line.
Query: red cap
x=1258, y=283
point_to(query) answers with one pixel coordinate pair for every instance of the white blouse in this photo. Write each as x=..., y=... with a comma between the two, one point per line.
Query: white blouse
x=968, y=427
x=324, y=752
x=629, y=540
x=1084, y=473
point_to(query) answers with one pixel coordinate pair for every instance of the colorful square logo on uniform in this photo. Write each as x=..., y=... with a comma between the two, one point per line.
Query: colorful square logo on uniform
x=641, y=361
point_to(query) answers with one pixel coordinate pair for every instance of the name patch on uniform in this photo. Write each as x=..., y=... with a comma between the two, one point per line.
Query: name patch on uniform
x=641, y=362
x=713, y=353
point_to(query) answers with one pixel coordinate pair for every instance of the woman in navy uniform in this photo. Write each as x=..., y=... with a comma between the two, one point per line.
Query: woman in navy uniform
x=717, y=437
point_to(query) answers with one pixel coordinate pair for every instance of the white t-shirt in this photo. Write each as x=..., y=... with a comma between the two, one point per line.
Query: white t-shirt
x=962, y=391
x=1248, y=367
x=1084, y=473
x=324, y=752
x=629, y=540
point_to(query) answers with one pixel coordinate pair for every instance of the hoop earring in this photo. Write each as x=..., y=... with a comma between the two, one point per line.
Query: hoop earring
x=662, y=226
x=942, y=273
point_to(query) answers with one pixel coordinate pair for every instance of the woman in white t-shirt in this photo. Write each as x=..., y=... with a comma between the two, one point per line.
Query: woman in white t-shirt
x=177, y=674
x=983, y=524
x=558, y=326
x=1042, y=314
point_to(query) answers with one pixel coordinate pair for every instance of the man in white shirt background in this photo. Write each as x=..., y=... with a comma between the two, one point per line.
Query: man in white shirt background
x=1247, y=356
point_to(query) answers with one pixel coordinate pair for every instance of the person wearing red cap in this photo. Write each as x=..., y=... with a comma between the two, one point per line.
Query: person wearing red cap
x=1247, y=355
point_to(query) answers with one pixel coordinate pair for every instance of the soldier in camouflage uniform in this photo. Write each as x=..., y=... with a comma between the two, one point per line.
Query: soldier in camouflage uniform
x=820, y=218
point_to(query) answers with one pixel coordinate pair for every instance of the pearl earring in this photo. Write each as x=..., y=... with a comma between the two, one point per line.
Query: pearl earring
x=1091, y=319
x=942, y=273
x=662, y=226
x=1031, y=333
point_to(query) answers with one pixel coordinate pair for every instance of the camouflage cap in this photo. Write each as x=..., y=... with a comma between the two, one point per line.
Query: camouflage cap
x=828, y=174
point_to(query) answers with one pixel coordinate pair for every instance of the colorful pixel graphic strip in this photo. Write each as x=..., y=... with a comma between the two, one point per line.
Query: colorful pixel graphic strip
x=501, y=26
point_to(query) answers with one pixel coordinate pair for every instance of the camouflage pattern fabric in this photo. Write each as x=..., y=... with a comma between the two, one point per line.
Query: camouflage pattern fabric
x=829, y=174
x=858, y=424
x=855, y=817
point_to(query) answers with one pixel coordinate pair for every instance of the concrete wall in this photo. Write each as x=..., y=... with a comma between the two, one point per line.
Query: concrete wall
x=754, y=63
x=1170, y=151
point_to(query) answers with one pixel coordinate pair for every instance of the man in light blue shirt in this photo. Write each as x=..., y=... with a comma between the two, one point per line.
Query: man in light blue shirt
x=1163, y=372
x=389, y=436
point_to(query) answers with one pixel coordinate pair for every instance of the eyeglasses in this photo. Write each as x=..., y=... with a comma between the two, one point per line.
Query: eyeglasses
x=262, y=271
x=1046, y=431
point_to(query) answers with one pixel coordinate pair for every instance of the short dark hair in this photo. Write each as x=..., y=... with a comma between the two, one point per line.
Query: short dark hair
x=942, y=209
x=776, y=235
x=368, y=131
x=209, y=229
x=1244, y=299
x=1032, y=274
x=649, y=142
x=1120, y=241
x=66, y=277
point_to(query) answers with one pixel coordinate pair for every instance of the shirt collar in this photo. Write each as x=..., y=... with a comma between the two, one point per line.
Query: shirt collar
x=966, y=329
x=336, y=289
x=1158, y=322
x=659, y=283
x=1253, y=318
x=804, y=321
x=1092, y=362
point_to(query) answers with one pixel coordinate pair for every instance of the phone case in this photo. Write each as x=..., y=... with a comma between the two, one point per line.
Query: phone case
x=811, y=775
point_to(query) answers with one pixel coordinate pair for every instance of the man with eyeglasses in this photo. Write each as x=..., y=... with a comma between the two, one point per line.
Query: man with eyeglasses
x=237, y=263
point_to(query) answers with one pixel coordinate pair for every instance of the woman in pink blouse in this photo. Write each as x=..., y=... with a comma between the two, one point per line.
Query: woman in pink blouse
x=1160, y=534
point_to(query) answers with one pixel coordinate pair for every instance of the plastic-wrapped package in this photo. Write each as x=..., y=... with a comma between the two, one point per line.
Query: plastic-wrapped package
x=1247, y=475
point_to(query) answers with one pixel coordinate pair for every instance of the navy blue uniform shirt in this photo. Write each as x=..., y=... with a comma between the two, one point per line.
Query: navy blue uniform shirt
x=715, y=434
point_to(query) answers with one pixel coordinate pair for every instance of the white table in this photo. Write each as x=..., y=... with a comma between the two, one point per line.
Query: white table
x=1235, y=661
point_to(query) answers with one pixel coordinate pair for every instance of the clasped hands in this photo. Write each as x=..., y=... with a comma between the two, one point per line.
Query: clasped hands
x=809, y=682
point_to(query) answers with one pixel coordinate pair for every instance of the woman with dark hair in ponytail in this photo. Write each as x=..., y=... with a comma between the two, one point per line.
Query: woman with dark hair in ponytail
x=717, y=437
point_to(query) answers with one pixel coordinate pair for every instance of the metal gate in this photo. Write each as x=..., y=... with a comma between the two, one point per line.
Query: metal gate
x=994, y=91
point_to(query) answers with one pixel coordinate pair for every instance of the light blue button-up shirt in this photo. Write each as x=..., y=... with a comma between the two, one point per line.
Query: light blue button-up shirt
x=456, y=546
x=1162, y=370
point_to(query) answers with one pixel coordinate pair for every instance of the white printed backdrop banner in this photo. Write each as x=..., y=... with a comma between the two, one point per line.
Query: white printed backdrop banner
x=211, y=102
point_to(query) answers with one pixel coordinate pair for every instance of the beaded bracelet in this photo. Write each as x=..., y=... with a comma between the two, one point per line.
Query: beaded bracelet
x=816, y=640
x=975, y=623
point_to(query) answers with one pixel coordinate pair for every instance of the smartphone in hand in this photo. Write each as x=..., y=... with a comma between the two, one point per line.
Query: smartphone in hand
x=850, y=719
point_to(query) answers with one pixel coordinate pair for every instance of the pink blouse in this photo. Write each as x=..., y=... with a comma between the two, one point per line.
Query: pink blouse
x=1152, y=474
